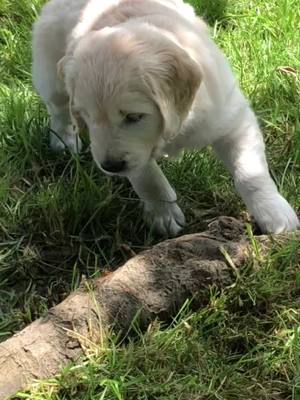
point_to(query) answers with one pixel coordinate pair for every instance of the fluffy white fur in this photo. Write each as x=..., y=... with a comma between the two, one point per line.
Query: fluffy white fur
x=147, y=80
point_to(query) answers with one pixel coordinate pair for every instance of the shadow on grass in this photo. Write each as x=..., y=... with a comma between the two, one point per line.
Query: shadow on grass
x=211, y=10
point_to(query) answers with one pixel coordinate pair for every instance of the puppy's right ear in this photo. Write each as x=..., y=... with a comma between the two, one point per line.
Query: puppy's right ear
x=173, y=78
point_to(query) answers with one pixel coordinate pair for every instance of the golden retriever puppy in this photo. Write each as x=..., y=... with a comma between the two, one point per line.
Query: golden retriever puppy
x=147, y=80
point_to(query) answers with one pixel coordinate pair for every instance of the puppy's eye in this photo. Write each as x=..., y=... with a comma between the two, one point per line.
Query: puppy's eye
x=133, y=118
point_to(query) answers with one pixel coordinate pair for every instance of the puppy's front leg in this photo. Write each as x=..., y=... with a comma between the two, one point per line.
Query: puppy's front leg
x=160, y=207
x=244, y=154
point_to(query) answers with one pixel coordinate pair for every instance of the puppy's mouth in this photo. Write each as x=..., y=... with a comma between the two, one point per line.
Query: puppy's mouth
x=121, y=174
x=118, y=169
x=121, y=168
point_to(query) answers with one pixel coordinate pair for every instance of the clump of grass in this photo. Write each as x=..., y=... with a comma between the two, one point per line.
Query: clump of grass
x=212, y=11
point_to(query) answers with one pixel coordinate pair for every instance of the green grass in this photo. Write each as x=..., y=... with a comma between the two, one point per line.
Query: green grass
x=60, y=218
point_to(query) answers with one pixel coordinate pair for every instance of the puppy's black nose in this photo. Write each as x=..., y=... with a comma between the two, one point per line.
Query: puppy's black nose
x=113, y=166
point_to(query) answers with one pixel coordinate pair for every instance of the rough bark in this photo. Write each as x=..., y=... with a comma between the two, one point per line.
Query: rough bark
x=153, y=284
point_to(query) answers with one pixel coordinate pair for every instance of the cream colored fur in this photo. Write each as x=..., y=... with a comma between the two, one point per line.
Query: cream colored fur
x=147, y=80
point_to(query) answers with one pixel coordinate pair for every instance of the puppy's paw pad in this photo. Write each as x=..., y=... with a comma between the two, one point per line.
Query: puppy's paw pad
x=165, y=218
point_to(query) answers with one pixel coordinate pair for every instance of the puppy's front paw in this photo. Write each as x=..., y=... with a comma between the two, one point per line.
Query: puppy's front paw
x=275, y=215
x=71, y=140
x=165, y=218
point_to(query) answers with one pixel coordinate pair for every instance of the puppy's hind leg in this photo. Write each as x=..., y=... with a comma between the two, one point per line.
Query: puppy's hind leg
x=51, y=89
x=243, y=153
x=62, y=132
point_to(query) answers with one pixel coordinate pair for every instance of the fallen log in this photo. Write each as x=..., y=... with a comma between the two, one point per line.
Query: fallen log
x=154, y=284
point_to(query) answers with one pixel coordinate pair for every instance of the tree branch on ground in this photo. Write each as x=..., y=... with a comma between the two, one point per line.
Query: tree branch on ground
x=155, y=284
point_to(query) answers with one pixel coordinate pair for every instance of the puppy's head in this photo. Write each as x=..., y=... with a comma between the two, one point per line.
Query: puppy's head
x=133, y=87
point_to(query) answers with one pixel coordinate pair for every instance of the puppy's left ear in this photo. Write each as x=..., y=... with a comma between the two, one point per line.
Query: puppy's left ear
x=66, y=72
x=175, y=79
x=61, y=66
